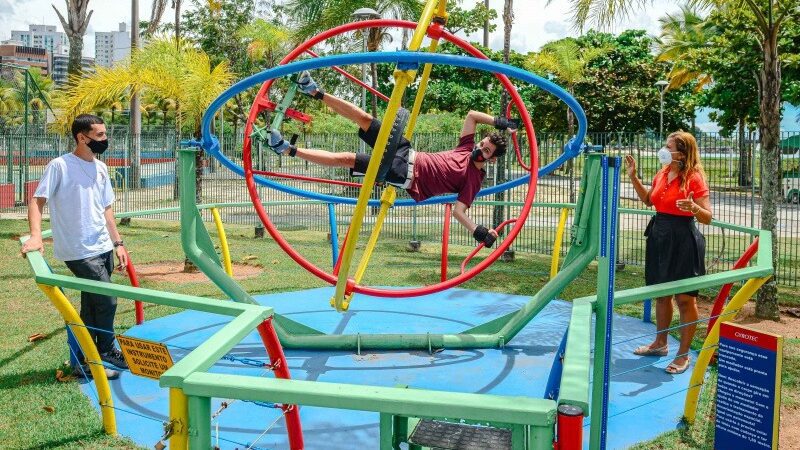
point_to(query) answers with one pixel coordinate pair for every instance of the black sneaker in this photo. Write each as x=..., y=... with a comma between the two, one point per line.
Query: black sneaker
x=114, y=357
x=85, y=371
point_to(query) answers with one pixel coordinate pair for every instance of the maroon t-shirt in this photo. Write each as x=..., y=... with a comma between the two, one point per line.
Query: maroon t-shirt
x=447, y=173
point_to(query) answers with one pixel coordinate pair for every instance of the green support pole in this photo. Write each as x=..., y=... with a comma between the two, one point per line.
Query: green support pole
x=23, y=172
x=541, y=437
x=199, y=422
x=605, y=265
x=386, y=431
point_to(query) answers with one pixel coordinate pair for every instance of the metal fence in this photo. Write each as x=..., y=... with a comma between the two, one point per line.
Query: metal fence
x=732, y=167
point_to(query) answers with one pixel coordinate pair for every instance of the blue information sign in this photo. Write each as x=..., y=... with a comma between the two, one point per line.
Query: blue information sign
x=748, y=389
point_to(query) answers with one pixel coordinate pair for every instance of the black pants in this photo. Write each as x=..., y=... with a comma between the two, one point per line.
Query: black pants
x=97, y=311
x=398, y=172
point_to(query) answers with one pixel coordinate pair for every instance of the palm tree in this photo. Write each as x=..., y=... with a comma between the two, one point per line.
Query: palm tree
x=317, y=16
x=162, y=69
x=767, y=20
x=156, y=12
x=265, y=41
x=75, y=27
x=40, y=89
x=682, y=35
x=9, y=104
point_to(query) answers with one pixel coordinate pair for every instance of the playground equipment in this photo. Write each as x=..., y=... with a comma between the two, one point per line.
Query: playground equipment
x=523, y=422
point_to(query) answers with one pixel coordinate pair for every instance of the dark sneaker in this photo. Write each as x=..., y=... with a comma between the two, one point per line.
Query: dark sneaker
x=115, y=358
x=85, y=371
x=308, y=86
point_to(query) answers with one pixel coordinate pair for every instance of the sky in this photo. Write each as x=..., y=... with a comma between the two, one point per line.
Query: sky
x=535, y=23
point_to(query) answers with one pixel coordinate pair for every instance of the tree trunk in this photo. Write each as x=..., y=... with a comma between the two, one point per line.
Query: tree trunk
x=744, y=157
x=486, y=27
x=769, y=122
x=498, y=214
x=74, y=68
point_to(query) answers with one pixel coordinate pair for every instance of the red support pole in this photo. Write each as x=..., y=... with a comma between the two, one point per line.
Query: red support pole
x=570, y=428
x=448, y=209
x=722, y=297
x=135, y=283
x=281, y=368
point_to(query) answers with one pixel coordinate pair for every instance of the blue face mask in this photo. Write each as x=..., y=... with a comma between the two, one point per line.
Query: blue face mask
x=477, y=154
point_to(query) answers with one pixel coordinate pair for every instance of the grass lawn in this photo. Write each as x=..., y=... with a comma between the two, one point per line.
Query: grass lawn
x=41, y=412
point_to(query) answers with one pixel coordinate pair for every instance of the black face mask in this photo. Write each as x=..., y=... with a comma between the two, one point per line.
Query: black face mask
x=477, y=154
x=97, y=147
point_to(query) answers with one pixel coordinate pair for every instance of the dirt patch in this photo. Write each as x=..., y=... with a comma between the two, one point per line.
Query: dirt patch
x=172, y=271
x=788, y=326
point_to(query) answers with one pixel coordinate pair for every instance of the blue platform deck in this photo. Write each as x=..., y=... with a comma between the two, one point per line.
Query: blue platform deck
x=520, y=369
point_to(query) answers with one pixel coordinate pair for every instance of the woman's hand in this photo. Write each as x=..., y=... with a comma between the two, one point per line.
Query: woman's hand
x=687, y=204
x=630, y=166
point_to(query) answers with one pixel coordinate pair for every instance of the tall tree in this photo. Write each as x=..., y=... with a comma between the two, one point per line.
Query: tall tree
x=500, y=169
x=768, y=18
x=75, y=27
x=683, y=35
x=156, y=12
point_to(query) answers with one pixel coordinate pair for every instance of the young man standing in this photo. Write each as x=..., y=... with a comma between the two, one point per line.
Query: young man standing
x=78, y=190
x=422, y=175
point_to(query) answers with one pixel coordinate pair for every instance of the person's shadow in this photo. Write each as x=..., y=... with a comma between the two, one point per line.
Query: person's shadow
x=649, y=377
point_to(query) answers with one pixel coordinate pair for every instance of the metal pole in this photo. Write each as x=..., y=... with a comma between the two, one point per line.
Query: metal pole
x=23, y=173
x=661, y=119
x=362, y=146
x=136, y=113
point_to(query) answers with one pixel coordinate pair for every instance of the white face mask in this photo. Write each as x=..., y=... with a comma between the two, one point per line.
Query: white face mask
x=664, y=156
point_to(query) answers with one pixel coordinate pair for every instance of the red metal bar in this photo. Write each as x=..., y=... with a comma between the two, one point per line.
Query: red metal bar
x=569, y=428
x=305, y=178
x=378, y=292
x=481, y=245
x=515, y=142
x=448, y=209
x=350, y=77
x=291, y=113
x=137, y=304
x=279, y=365
x=722, y=297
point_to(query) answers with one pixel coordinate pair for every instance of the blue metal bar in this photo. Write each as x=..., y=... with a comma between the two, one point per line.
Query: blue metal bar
x=334, y=234
x=573, y=148
x=554, y=380
x=647, y=313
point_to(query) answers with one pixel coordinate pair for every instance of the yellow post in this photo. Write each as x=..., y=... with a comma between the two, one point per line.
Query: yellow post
x=69, y=314
x=223, y=242
x=402, y=79
x=712, y=339
x=562, y=222
x=179, y=418
x=387, y=200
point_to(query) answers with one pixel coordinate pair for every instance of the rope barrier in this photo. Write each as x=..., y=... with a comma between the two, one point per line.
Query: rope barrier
x=660, y=360
x=676, y=327
x=647, y=403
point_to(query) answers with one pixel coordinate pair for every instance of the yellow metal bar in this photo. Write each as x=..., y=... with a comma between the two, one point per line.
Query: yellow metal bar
x=402, y=79
x=69, y=314
x=562, y=222
x=387, y=200
x=223, y=242
x=712, y=339
x=179, y=418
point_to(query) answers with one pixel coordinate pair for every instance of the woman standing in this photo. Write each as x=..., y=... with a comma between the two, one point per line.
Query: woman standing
x=675, y=247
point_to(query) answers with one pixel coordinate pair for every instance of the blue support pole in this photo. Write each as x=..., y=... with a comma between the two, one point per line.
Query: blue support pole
x=647, y=316
x=334, y=234
x=554, y=380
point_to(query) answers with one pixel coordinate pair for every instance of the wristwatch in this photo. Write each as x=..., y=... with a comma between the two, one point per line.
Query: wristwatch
x=118, y=244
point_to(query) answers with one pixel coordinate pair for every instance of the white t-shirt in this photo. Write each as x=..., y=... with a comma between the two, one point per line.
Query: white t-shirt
x=78, y=192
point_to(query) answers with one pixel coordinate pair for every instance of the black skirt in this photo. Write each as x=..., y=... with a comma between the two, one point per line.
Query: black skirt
x=676, y=250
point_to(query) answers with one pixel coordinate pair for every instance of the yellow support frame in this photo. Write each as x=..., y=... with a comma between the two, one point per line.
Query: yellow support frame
x=179, y=419
x=89, y=350
x=341, y=298
x=711, y=343
x=223, y=242
x=562, y=222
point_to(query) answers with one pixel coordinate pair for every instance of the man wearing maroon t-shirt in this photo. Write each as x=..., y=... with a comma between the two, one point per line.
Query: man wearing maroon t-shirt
x=422, y=175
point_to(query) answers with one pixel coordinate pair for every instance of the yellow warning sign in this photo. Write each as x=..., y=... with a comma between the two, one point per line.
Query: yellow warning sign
x=146, y=358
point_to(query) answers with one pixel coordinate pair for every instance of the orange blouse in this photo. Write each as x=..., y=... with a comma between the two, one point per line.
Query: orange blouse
x=664, y=195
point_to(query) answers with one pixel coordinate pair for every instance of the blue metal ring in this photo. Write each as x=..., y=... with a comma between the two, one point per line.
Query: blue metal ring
x=573, y=148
